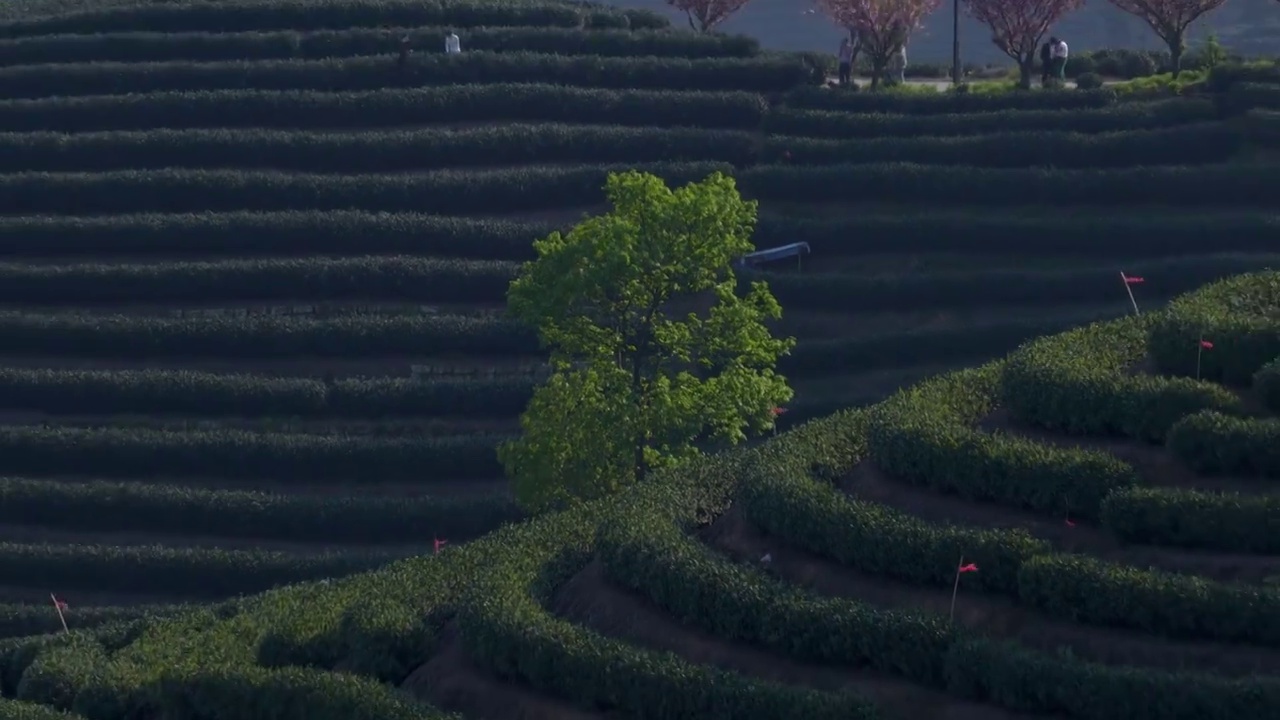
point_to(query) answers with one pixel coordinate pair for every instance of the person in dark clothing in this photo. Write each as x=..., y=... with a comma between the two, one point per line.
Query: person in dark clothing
x=845, y=57
x=1046, y=63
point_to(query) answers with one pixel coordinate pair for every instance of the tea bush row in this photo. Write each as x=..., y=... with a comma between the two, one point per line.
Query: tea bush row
x=651, y=556
x=1181, y=145
x=1237, y=315
x=1126, y=116
x=305, y=109
x=160, y=392
x=1266, y=383
x=327, y=14
x=758, y=74
x=295, y=459
x=445, y=191
x=394, y=151
x=927, y=436
x=41, y=619
x=545, y=188
x=1246, y=96
x=134, y=336
x=201, y=46
x=173, y=572
x=820, y=519
x=1215, y=444
x=401, y=279
x=812, y=98
x=18, y=710
x=360, y=518
x=1262, y=128
x=1108, y=236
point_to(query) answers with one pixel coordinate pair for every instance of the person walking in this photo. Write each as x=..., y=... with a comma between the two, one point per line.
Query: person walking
x=900, y=63
x=1046, y=62
x=845, y=56
x=1059, y=52
x=452, y=45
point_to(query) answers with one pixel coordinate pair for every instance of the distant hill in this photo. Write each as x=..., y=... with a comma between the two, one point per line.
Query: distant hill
x=1250, y=27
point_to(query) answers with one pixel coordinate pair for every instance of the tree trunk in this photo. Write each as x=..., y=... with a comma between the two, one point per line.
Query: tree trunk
x=878, y=66
x=1176, y=48
x=1026, y=68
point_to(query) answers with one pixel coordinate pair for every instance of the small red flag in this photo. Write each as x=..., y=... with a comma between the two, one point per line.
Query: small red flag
x=437, y=543
x=1070, y=523
x=1133, y=280
x=779, y=411
x=1206, y=344
x=58, y=603
x=967, y=568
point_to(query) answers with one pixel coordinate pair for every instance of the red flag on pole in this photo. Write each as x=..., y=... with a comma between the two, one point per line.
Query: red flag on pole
x=59, y=606
x=779, y=411
x=437, y=543
x=967, y=568
x=1070, y=523
x=1132, y=279
x=1206, y=344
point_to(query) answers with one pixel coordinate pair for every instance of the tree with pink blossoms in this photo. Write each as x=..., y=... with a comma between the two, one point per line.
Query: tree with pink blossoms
x=881, y=26
x=706, y=14
x=1018, y=26
x=1170, y=19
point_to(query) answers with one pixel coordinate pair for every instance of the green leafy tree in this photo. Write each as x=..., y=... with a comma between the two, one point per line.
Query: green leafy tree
x=654, y=352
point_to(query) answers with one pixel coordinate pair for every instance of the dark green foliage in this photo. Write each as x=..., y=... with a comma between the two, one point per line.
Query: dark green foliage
x=40, y=619
x=1266, y=383
x=1227, y=522
x=1215, y=444
x=946, y=103
x=1236, y=315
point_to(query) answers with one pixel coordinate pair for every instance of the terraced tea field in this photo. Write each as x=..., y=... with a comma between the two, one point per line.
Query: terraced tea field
x=252, y=334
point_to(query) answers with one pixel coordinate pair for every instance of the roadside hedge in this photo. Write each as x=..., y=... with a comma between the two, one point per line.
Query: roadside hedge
x=1083, y=589
x=173, y=572
x=926, y=436
x=765, y=74
x=262, y=336
x=301, y=281
x=1266, y=384
x=140, y=453
x=1079, y=383
x=1215, y=444
x=1237, y=315
x=1226, y=522
x=1127, y=116
x=243, y=235
x=1212, y=185
x=444, y=191
x=387, y=151
x=1182, y=145
x=357, y=518
x=161, y=392
x=325, y=14
x=306, y=109
x=202, y=46
x=814, y=98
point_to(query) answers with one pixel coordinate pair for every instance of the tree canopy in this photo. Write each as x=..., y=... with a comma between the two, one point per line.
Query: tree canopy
x=655, y=351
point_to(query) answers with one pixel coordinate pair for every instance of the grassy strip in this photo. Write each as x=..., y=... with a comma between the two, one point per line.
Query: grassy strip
x=1128, y=116
x=303, y=109
x=445, y=191
x=946, y=103
x=763, y=74
x=106, y=506
x=185, y=572
x=377, y=152
x=134, y=46
x=135, y=452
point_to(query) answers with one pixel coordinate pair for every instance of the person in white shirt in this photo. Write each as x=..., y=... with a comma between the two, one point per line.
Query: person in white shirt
x=452, y=44
x=1058, y=51
x=899, y=64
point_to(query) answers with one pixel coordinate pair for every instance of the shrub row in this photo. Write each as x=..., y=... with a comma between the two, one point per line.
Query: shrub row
x=445, y=191
x=87, y=392
x=1181, y=145
x=104, y=506
x=324, y=15
x=1262, y=128
x=177, y=572
x=132, y=336
x=291, y=109
x=1127, y=116
x=1237, y=315
x=1215, y=444
x=237, y=454
x=813, y=98
x=758, y=74
x=392, y=151
x=925, y=436
x=24, y=620
x=402, y=279
x=213, y=47
x=1224, y=77
x=1116, y=235
x=1226, y=522
x=1079, y=383
x=1243, y=97
x=542, y=188
x=927, y=289
x=1266, y=384
x=1214, y=185
x=736, y=603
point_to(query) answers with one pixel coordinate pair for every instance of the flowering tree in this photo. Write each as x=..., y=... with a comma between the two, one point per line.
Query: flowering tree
x=1017, y=26
x=706, y=14
x=880, y=26
x=1170, y=19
